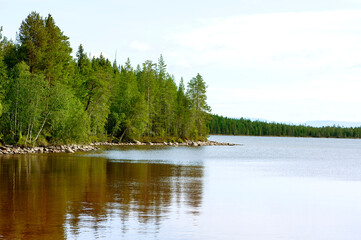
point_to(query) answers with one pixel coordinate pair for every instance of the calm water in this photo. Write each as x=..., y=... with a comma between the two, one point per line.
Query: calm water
x=267, y=188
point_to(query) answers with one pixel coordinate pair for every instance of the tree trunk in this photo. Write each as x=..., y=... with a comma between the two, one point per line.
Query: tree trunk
x=41, y=129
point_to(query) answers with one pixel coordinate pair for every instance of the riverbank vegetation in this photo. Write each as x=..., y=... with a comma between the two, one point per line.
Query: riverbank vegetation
x=49, y=97
x=246, y=127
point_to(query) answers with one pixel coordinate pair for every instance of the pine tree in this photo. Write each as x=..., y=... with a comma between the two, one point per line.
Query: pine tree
x=197, y=94
x=97, y=94
x=32, y=39
x=44, y=47
x=3, y=75
x=183, y=111
x=169, y=105
x=56, y=53
x=128, y=109
x=148, y=86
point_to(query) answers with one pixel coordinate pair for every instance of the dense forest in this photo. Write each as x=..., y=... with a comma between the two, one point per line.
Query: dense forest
x=49, y=97
x=231, y=126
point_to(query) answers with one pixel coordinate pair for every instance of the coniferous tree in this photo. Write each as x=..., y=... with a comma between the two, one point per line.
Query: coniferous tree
x=57, y=52
x=44, y=47
x=161, y=101
x=32, y=41
x=169, y=105
x=166, y=101
x=198, y=103
x=183, y=111
x=128, y=109
x=98, y=94
x=147, y=85
x=3, y=74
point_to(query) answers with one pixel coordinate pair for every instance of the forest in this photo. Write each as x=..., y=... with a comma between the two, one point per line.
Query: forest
x=49, y=97
x=246, y=127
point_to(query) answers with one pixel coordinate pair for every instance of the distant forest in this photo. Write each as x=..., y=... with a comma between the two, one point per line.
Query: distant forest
x=49, y=97
x=231, y=126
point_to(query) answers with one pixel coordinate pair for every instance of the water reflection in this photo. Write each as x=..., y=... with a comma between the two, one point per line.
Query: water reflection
x=66, y=196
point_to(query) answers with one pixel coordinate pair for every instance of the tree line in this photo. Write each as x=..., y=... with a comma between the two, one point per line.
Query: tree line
x=49, y=97
x=231, y=126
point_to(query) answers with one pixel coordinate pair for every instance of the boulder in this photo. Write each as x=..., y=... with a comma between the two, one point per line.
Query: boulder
x=68, y=150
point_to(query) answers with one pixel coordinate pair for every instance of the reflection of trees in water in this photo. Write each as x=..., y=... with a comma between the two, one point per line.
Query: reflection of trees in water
x=42, y=194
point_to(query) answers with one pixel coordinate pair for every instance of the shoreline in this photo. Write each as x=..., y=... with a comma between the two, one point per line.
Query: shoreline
x=9, y=149
x=175, y=144
x=73, y=148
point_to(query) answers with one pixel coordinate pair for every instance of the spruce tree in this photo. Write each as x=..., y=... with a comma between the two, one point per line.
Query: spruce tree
x=182, y=111
x=3, y=75
x=198, y=102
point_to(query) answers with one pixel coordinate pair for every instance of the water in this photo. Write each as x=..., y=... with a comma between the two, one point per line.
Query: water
x=267, y=188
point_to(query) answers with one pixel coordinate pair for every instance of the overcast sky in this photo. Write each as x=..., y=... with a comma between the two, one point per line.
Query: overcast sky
x=279, y=60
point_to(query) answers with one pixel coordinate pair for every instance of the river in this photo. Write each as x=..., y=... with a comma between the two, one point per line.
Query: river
x=265, y=188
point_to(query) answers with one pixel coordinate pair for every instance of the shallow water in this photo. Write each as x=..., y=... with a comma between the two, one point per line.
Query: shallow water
x=266, y=188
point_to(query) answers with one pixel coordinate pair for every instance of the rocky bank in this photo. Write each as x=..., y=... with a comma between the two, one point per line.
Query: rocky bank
x=187, y=143
x=8, y=149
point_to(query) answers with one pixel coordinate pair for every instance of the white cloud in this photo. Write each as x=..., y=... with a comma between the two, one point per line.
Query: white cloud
x=139, y=46
x=316, y=99
x=280, y=66
x=295, y=40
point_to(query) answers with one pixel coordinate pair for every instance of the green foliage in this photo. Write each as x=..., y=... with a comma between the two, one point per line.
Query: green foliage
x=231, y=126
x=47, y=97
x=68, y=122
x=44, y=47
x=198, y=102
x=128, y=110
x=23, y=104
x=3, y=75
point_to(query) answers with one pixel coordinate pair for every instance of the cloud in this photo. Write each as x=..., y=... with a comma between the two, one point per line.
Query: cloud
x=331, y=96
x=139, y=46
x=295, y=40
x=294, y=66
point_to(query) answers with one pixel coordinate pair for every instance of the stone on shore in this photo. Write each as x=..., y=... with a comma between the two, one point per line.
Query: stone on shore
x=9, y=149
x=68, y=150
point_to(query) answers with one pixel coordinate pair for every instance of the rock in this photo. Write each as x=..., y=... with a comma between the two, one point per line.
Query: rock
x=68, y=150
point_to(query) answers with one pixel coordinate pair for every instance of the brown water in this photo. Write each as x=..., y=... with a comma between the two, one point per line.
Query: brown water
x=269, y=188
x=54, y=196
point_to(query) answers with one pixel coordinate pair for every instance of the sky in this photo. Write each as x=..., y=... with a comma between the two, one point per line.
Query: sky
x=282, y=60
